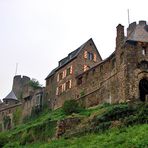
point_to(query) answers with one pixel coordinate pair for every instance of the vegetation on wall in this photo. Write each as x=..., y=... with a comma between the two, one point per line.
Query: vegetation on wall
x=17, y=116
x=7, y=122
x=35, y=84
x=71, y=106
x=102, y=126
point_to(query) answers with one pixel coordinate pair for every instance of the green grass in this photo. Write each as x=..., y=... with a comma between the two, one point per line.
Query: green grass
x=131, y=137
x=39, y=132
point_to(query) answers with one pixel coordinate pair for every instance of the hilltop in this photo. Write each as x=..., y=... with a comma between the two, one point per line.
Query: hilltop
x=118, y=125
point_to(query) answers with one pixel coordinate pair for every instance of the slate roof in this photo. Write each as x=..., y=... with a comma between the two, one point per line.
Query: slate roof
x=138, y=32
x=11, y=96
x=71, y=56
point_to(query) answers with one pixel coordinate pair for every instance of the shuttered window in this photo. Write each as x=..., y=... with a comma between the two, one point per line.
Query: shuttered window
x=58, y=78
x=85, y=54
x=71, y=70
x=86, y=67
x=95, y=57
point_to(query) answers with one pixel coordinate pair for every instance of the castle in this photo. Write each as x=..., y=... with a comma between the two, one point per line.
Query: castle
x=20, y=102
x=85, y=77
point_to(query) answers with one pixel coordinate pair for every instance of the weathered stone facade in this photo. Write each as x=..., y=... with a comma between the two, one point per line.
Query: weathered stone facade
x=123, y=76
x=21, y=100
x=61, y=82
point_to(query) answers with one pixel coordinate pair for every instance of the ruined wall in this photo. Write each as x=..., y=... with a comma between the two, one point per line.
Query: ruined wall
x=7, y=111
x=32, y=99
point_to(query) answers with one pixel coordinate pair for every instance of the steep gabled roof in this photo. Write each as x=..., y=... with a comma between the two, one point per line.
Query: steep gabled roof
x=71, y=56
x=100, y=63
x=11, y=96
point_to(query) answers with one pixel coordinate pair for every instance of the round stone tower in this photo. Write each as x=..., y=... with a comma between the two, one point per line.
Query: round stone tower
x=18, y=83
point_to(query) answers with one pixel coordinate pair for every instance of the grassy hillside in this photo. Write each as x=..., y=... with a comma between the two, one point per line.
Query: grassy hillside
x=131, y=137
x=120, y=125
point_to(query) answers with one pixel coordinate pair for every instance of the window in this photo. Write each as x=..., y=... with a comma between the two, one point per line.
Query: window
x=90, y=56
x=86, y=67
x=144, y=65
x=63, y=87
x=64, y=73
x=69, y=71
x=38, y=100
x=60, y=89
x=68, y=84
x=143, y=51
x=61, y=76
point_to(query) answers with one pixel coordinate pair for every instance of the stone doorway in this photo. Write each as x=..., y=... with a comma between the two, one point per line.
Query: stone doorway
x=143, y=89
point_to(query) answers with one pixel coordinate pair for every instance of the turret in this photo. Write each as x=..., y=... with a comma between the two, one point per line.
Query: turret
x=18, y=84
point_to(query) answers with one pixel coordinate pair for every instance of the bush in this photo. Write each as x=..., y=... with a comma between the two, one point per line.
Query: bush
x=71, y=106
x=3, y=140
x=34, y=84
x=17, y=116
x=12, y=145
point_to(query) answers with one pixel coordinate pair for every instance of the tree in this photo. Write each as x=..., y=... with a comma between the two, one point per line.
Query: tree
x=35, y=84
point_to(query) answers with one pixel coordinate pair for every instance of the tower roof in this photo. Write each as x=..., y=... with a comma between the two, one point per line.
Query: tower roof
x=11, y=96
x=138, y=32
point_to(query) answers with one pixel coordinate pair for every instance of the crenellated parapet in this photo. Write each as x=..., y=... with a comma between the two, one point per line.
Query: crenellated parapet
x=138, y=31
x=18, y=83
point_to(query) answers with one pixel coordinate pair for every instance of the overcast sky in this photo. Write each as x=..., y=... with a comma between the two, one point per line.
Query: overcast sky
x=36, y=34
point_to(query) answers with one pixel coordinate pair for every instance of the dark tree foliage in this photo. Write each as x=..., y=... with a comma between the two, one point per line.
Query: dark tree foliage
x=71, y=106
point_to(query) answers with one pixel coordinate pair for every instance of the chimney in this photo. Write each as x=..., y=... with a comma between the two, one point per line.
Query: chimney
x=120, y=35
